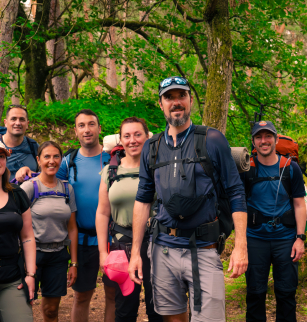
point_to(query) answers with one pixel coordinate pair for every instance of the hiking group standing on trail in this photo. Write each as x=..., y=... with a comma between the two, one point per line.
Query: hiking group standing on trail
x=163, y=205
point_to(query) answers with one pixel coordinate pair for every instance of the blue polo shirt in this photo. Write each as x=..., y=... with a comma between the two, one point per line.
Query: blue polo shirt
x=226, y=170
x=86, y=188
x=271, y=199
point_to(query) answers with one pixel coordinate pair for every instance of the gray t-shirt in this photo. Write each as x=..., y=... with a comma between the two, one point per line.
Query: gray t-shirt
x=50, y=214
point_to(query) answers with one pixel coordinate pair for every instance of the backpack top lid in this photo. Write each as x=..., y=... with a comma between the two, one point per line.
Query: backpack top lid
x=286, y=146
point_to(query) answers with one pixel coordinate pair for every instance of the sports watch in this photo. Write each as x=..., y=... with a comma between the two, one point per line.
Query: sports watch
x=302, y=237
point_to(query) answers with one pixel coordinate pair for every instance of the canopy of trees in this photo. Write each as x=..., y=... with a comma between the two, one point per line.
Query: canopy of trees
x=236, y=54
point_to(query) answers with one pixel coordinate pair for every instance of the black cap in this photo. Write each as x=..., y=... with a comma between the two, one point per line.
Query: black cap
x=263, y=125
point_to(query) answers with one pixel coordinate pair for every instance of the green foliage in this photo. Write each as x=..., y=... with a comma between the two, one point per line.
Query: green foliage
x=110, y=110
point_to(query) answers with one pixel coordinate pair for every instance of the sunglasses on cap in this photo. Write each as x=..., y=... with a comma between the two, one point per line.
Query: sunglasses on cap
x=170, y=80
x=17, y=106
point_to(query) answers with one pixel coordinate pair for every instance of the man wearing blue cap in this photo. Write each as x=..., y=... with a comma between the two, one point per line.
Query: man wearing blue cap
x=276, y=209
x=185, y=252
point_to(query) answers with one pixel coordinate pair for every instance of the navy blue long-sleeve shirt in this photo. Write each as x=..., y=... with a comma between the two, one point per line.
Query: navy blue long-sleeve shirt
x=220, y=155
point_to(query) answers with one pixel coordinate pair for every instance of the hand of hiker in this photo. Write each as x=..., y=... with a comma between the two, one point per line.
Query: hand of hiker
x=31, y=287
x=22, y=173
x=298, y=249
x=238, y=262
x=102, y=259
x=136, y=265
x=72, y=276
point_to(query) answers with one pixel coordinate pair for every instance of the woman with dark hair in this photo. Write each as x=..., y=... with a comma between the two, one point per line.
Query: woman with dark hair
x=117, y=197
x=15, y=222
x=53, y=209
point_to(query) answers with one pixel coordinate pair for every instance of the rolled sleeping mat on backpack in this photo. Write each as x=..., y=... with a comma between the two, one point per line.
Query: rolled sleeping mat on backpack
x=110, y=141
x=241, y=158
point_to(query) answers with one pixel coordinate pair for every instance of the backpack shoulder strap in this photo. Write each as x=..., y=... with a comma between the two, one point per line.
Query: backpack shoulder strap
x=113, y=167
x=200, y=146
x=65, y=190
x=33, y=147
x=284, y=169
x=1, y=138
x=17, y=195
x=250, y=175
x=153, y=150
x=71, y=164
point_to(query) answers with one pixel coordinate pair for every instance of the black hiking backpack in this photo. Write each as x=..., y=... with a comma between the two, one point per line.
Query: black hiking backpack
x=117, y=154
x=73, y=153
x=222, y=205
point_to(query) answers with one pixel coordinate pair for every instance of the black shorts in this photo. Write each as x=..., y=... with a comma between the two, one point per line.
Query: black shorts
x=88, y=259
x=52, y=273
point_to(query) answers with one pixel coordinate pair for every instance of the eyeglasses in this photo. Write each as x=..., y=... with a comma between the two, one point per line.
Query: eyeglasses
x=24, y=107
x=176, y=79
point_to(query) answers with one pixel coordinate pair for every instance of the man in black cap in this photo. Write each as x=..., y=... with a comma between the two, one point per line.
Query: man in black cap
x=185, y=231
x=275, y=193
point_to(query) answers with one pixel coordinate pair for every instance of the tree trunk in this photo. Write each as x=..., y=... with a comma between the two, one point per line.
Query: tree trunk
x=139, y=73
x=34, y=55
x=8, y=14
x=111, y=65
x=56, y=49
x=220, y=64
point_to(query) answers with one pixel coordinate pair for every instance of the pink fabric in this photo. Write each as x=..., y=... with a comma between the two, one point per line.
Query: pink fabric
x=116, y=268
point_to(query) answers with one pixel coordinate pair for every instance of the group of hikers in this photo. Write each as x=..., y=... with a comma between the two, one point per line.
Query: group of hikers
x=169, y=202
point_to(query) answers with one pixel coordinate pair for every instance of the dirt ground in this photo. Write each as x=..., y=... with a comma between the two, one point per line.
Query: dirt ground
x=235, y=305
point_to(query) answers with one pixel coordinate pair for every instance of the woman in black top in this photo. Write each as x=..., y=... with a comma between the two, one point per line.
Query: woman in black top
x=15, y=222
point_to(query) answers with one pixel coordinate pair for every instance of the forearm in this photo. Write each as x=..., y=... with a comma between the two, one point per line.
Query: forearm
x=29, y=248
x=141, y=213
x=102, y=228
x=240, y=222
x=300, y=215
x=73, y=236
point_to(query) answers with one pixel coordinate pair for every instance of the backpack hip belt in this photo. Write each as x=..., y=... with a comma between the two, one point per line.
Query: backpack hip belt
x=256, y=218
x=208, y=232
x=114, y=229
x=65, y=242
x=87, y=232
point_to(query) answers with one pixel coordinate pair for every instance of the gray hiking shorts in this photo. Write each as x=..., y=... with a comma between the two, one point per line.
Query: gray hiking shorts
x=171, y=277
x=13, y=304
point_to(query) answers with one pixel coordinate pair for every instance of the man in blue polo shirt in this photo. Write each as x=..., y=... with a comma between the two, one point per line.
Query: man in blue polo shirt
x=186, y=202
x=276, y=224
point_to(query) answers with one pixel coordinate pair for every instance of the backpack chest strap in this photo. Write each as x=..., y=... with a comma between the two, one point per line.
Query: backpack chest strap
x=38, y=194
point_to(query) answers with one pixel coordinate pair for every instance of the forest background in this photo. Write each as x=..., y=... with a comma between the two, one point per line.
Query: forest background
x=59, y=56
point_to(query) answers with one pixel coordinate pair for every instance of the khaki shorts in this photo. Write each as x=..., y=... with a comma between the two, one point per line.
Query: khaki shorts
x=171, y=277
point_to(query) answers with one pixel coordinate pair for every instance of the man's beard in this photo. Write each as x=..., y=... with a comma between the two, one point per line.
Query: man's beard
x=267, y=154
x=176, y=122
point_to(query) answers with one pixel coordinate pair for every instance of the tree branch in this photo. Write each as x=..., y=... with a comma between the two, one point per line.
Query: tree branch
x=100, y=81
x=56, y=65
x=90, y=26
x=244, y=110
x=183, y=13
x=200, y=56
x=149, y=10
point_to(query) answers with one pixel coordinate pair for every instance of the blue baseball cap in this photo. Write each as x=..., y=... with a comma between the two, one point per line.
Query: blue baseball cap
x=263, y=125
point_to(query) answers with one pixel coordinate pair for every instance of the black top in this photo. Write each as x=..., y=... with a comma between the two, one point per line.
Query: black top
x=10, y=226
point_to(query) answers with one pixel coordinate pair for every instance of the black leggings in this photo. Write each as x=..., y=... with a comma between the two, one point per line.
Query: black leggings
x=127, y=306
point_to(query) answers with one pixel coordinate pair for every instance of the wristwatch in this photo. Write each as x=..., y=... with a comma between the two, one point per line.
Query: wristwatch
x=302, y=237
x=32, y=275
x=74, y=264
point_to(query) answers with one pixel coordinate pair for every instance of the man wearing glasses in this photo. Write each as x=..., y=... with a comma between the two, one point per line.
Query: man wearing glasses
x=23, y=149
x=185, y=254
